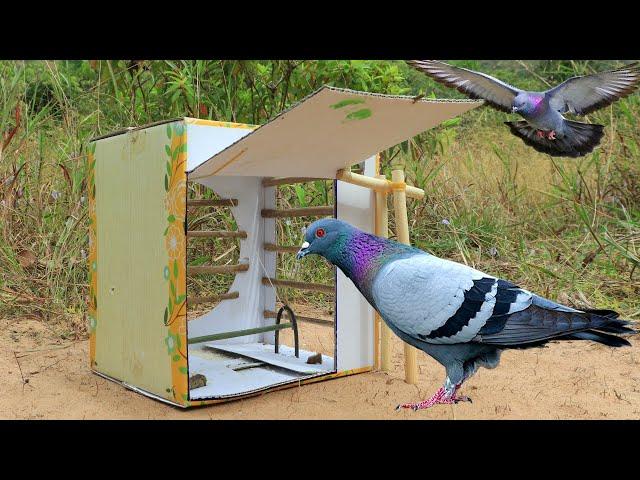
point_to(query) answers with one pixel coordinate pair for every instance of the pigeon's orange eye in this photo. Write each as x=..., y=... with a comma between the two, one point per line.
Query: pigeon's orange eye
x=320, y=232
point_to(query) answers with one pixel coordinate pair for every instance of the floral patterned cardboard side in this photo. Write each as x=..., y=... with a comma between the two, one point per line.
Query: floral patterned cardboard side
x=175, y=318
x=92, y=313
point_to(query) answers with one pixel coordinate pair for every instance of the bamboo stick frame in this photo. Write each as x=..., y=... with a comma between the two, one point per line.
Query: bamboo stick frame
x=381, y=330
x=402, y=232
x=380, y=183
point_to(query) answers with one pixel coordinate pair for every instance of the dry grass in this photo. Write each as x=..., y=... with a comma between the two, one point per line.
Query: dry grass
x=568, y=229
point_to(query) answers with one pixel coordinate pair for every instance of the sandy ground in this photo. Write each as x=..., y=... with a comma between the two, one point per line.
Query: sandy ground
x=569, y=380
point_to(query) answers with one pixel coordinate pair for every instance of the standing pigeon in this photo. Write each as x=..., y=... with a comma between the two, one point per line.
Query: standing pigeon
x=460, y=316
x=544, y=128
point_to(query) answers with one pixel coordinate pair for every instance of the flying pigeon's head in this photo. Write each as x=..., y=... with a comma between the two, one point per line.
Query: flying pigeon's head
x=525, y=103
x=520, y=103
x=325, y=237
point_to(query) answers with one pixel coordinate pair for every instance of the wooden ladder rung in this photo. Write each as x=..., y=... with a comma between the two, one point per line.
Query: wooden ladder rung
x=239, y=333
x=274, y=182
x=220, y=202
x=317, y=321
x=297, y=212
x=313, y=287
x=212, y=269
x=272, y=247
x=215, y=234
x=212, y=298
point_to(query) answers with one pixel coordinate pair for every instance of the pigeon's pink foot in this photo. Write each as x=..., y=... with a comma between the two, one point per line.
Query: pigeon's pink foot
x=540, y=133
x=441, y=397
x=551, y=135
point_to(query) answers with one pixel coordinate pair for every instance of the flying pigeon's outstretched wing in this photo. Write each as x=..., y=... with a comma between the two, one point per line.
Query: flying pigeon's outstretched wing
x=450, y=303
x=498, y=94
x=586, y=94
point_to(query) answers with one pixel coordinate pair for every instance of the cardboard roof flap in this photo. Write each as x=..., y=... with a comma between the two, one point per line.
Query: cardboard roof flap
x=330, y=129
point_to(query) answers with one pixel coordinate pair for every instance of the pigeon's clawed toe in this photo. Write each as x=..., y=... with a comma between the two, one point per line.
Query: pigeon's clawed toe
x=551, y=135
x=441, y=397
x=540, y=133
x=463, y=398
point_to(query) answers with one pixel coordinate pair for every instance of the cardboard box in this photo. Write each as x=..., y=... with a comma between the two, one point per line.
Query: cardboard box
x=137, y=181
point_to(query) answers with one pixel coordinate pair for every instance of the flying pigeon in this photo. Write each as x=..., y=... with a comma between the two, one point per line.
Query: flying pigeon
x=458, y=315
x=544, y=128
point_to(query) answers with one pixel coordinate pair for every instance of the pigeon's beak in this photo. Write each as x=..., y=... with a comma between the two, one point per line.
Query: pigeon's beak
x=304, y=249
x=514, y=109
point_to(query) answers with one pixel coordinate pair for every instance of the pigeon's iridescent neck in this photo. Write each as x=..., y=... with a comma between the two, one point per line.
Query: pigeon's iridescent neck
x=365, y=254
x=536, y=102
x=362, y=255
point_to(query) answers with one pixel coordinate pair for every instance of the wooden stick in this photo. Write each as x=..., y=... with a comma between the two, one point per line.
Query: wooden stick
x=273, y=182
x=379, y=183
x=222, y=202
x=245, y=366
x=317, y=321
x=313, y=287
x=402, y=232
x=272, y=247
x=239, y=333
x=211, y=269
x=382, y=333
x=212, y=298
x=298, y=212
x=215, y=234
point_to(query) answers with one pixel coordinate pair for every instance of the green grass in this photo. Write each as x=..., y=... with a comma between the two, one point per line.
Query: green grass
x=568, y=229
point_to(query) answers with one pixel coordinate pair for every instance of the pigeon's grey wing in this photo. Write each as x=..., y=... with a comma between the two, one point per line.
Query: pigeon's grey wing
x=497, y=93
x=586, y=94
x=544, y=320
x=442, y=302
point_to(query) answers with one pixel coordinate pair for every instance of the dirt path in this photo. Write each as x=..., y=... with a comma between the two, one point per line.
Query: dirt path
x=567, y=381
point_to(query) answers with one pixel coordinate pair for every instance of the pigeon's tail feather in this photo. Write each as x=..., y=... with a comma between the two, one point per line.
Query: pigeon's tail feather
x=609, y=340
x=616, y=326
x=579, y=139
x=603, y=313
x=537, y=325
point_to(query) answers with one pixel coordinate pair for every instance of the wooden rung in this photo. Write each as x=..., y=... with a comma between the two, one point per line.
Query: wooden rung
x=273, y=182
x=212, y=298
x=317, y=321
x=298, y=212
x=211, y=269
x=239, y=333
x=220, y=202
x=215, y=234
x=313, y=287
x=272, y=247
x=245, y=366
